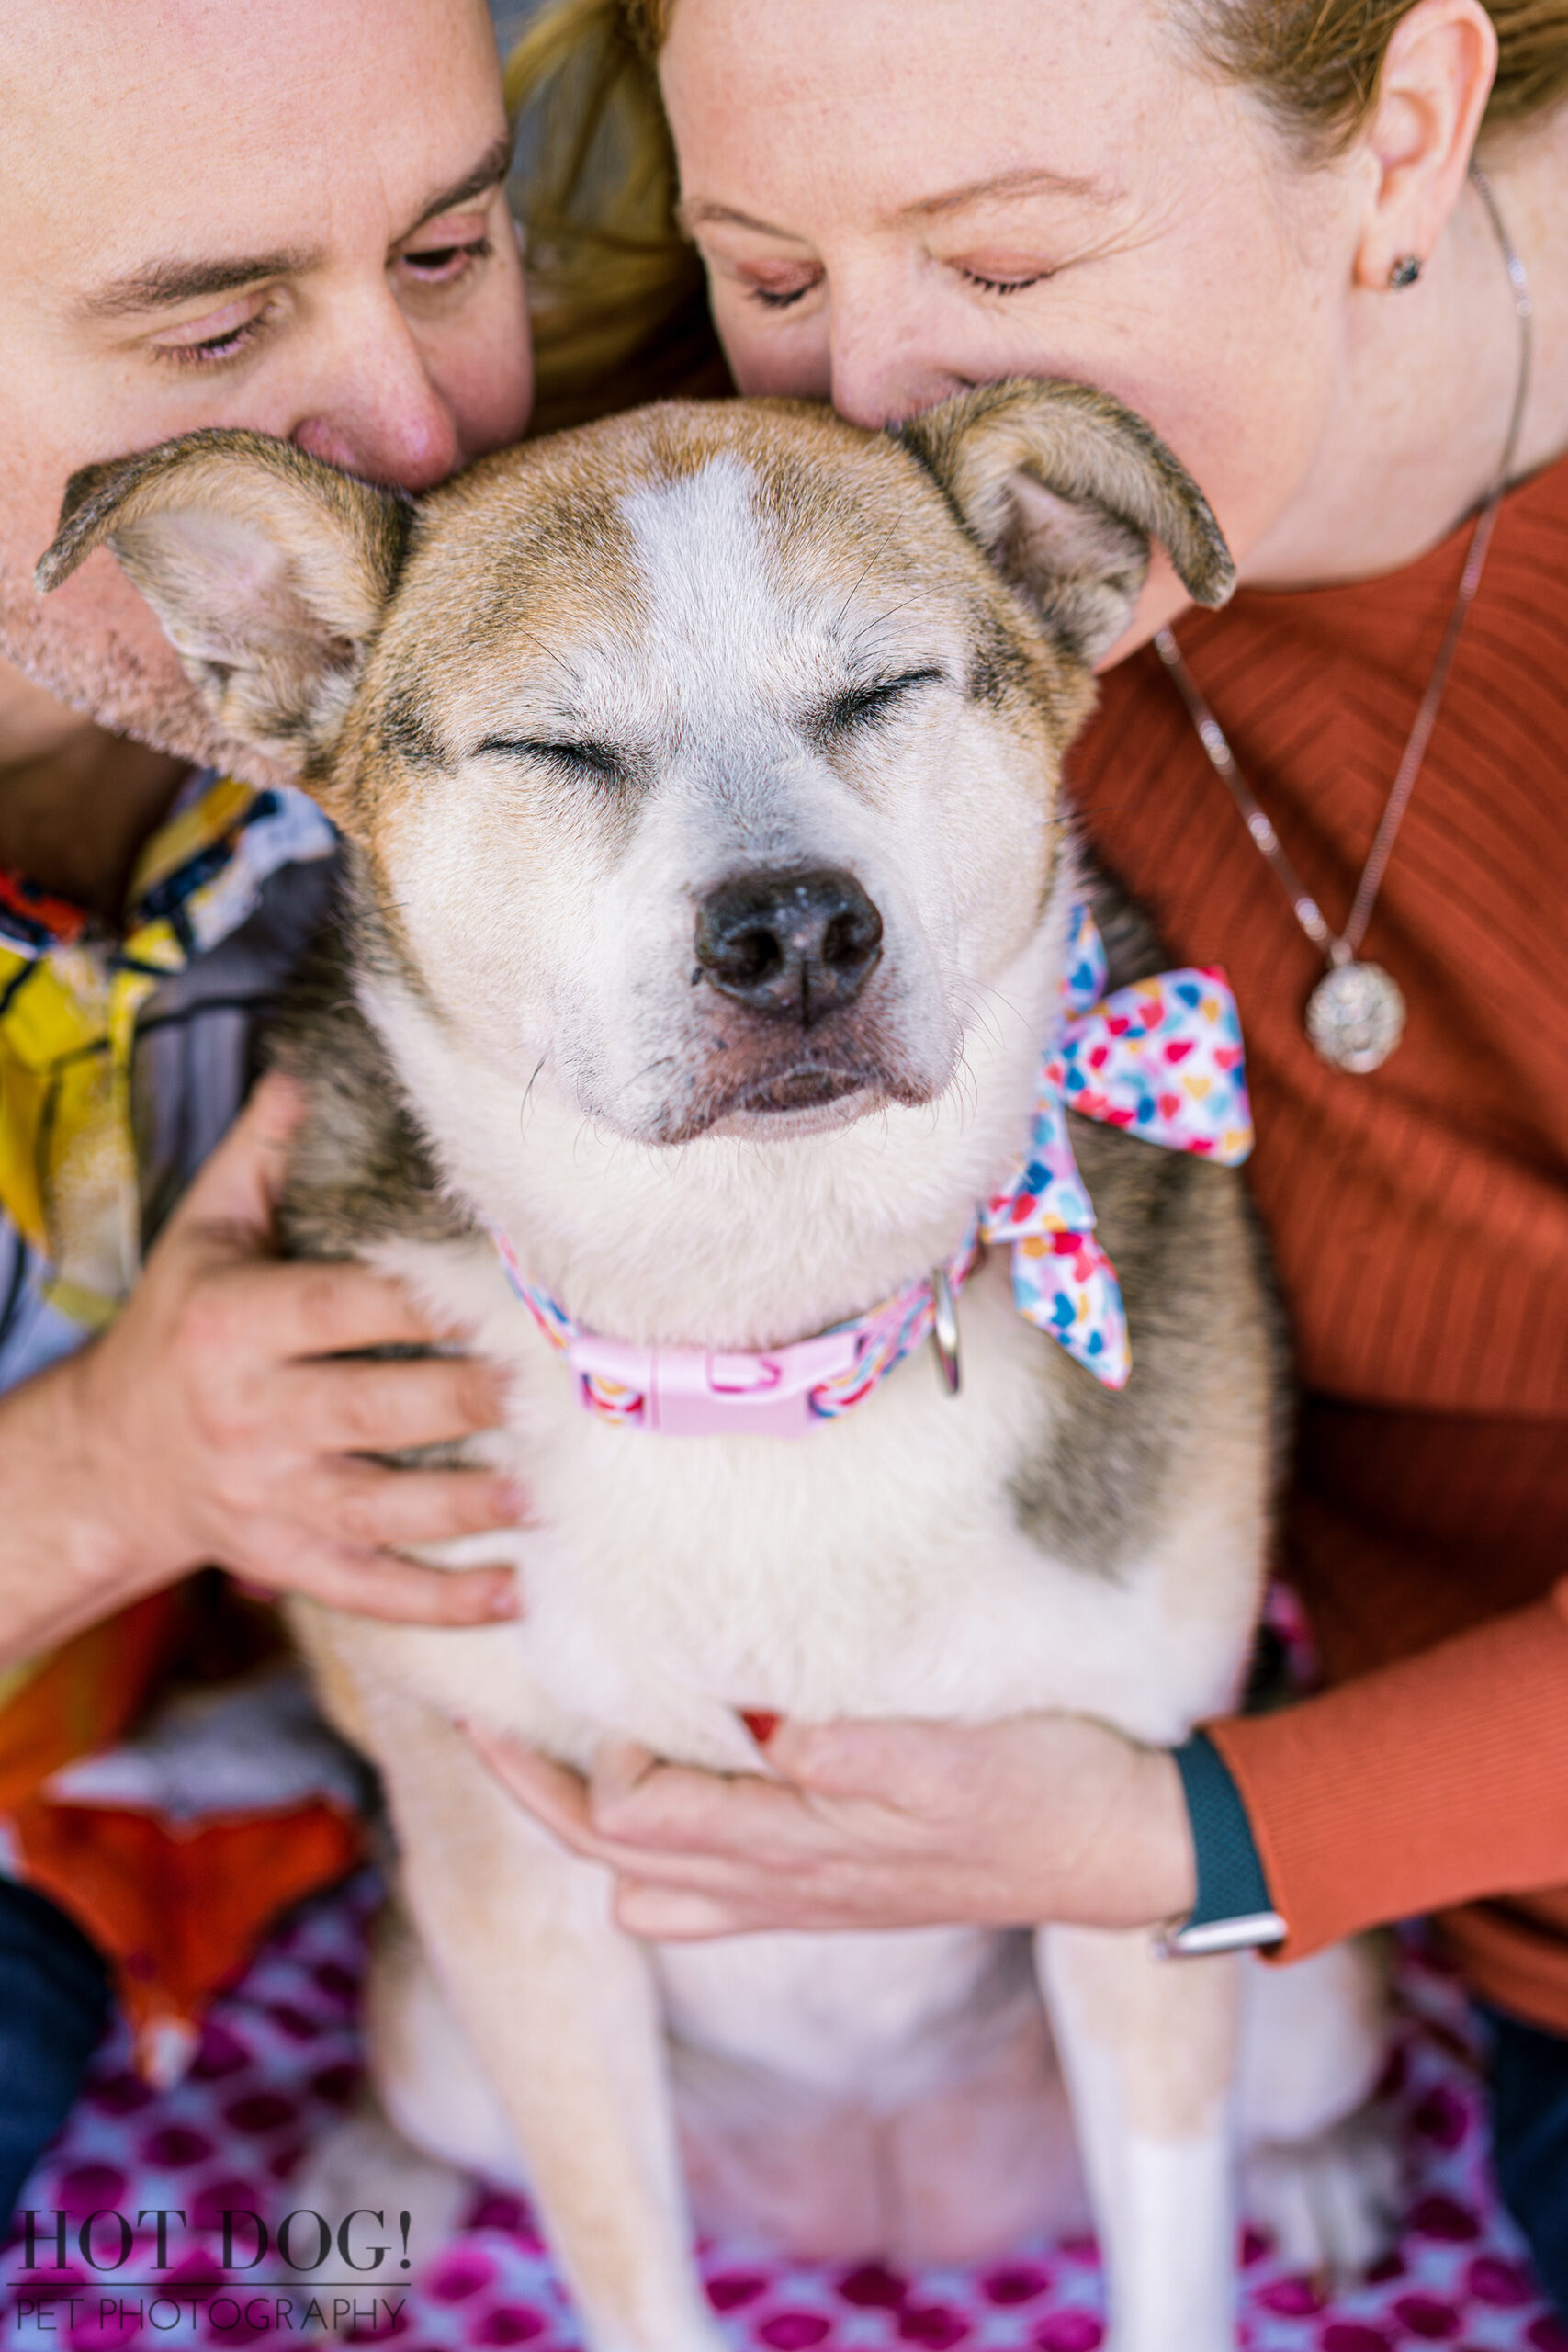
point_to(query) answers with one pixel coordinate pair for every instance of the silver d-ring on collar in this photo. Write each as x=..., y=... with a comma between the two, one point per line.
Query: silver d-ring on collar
x=944, y=1330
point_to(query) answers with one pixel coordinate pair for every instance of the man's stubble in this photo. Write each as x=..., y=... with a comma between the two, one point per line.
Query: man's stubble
x=112, y=673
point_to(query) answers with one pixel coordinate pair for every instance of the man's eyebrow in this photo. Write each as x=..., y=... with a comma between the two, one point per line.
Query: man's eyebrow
x=160, y=284
x=1003, y=188
x=492, y=166
x=163, y=285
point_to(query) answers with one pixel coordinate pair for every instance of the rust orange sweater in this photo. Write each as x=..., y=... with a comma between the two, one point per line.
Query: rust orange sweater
x=1418, y=1217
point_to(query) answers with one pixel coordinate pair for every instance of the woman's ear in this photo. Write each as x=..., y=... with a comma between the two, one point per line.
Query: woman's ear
x=1437, y=77
x=269, y=570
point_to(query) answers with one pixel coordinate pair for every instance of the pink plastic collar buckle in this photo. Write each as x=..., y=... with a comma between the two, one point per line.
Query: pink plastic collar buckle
x=708, y=1392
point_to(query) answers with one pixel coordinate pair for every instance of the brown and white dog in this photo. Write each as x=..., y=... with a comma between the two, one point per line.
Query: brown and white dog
x=569, y=712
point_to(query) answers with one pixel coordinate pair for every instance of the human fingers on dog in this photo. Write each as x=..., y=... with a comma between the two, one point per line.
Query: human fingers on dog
x=362, y=1503
x=562, y=1801
x=1037, y=1818
x=378, y=1584
x=225, y=1224
x=233, y=1199
x=620, y=1768
x=677, y=1810
x=830, y=1888
x=904, y=1765
x=222, y=1240
x=552, y=1792
x=671, y=1822
x=298, y=1307
x=749, y=1856
x=379, y=1408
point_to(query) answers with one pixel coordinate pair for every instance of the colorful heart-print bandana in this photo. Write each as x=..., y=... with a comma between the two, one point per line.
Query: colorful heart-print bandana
x=1161, y=1059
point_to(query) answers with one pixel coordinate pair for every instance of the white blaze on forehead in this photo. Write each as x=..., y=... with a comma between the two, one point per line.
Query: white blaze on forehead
x=700, y=550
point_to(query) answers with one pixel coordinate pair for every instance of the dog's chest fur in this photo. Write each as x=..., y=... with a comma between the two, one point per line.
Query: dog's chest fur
x=675, y=1580
x=1033, y=1542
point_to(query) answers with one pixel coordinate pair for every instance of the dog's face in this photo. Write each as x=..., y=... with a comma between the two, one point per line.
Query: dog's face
x=707, y=757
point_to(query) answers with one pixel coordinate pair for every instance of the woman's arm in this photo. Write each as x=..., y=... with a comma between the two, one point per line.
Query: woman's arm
x=880, y=1825
x=1433, y=1781
x=1429, y=1783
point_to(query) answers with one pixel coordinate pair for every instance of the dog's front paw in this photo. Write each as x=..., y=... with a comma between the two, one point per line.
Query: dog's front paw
x=1330, y=2203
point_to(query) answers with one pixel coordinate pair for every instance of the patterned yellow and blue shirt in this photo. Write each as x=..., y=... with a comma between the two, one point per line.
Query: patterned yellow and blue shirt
x=124, y=1058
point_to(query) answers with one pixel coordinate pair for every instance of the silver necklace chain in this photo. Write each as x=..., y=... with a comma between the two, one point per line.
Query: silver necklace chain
x=1356, y=1016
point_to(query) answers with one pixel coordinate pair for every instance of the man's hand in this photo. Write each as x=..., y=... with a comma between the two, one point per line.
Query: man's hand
x=214, y=1422
x=879, y=1825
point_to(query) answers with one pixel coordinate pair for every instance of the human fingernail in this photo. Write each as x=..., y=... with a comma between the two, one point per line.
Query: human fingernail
x=760, y=1724
x=516, y=1502
x=505, y=1600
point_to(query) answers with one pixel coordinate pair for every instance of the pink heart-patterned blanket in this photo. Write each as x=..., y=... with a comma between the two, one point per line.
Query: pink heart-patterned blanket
x=280, y=2059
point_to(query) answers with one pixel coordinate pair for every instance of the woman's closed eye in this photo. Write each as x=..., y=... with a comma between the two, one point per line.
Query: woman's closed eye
x=778, y=286
x=1004, y=285
x=998, y=273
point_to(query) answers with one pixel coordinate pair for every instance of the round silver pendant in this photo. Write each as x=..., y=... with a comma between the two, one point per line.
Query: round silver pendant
x=1355, y=1017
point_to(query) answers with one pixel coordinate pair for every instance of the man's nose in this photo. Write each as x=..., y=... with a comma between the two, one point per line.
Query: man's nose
x=792, y=946
x=385, y=418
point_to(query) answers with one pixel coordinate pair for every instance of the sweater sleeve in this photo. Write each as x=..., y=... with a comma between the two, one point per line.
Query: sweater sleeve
x=1433, y=1781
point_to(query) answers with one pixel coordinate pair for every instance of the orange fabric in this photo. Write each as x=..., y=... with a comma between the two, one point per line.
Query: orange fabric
x=84, y=1696
x=1476, y=1795
x=1407, y=1527
x=1406, y=1530
x=178, y=1914
x=176, y=1910
x=1419, y=1215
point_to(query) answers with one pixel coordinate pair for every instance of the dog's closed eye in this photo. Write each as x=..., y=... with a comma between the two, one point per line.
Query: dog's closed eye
x=866, y=706
x=580, y=760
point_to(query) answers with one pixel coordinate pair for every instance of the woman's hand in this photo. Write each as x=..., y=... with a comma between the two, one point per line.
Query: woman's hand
x=879, y=1825
x=217, y=1420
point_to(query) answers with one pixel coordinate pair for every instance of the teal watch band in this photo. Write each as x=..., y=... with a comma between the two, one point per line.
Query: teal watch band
x=1234, y=1910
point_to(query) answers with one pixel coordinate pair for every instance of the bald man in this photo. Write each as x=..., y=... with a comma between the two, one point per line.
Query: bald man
x=292, y=219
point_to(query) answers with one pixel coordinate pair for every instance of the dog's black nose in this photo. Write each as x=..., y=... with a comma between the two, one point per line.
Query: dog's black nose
x=793, y=946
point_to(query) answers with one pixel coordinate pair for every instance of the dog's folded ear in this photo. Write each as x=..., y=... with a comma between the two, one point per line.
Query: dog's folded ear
x=268, y=570
x=1064, y=488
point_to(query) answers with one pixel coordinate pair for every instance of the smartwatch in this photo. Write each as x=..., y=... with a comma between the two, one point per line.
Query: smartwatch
x=1233, y=1911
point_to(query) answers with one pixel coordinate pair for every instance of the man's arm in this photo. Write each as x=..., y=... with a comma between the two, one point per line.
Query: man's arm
x=212, y=1422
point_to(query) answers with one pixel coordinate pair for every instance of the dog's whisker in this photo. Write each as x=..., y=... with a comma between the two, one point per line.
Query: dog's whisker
x=528, y=1096
x=871, y=563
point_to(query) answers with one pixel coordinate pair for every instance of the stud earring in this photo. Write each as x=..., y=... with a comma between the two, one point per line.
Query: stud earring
x=1405, y=272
